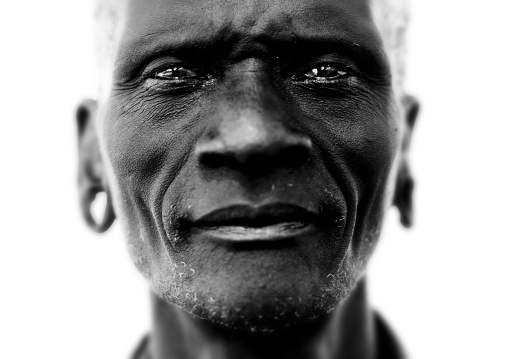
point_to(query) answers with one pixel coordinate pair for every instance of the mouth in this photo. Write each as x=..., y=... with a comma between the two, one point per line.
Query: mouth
x=246, y=223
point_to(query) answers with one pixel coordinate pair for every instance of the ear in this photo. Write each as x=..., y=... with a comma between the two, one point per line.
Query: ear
x=403, y=198
x=91, y=175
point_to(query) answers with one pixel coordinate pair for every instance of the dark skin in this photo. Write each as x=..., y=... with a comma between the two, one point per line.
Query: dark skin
x=251, y=149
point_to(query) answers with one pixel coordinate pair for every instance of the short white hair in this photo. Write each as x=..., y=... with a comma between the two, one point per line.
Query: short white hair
x=108, y=15
x=391, y=18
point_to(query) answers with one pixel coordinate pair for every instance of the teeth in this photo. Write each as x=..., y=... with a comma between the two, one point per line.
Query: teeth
x=277, y=226
x=271, y=232
x=254, y=223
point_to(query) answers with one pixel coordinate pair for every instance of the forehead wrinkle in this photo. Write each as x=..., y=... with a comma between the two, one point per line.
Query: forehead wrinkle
x=257, y=20
x=341, y=17
x=151, y=28
x=343, y=25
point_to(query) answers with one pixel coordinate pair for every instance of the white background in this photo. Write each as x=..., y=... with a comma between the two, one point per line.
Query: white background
x=66, y=292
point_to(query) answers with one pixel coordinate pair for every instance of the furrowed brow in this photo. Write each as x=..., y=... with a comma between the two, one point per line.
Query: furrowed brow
x=367, y=54
x=134, y=55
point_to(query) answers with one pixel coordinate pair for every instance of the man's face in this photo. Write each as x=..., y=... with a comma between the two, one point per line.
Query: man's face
x=252, y=147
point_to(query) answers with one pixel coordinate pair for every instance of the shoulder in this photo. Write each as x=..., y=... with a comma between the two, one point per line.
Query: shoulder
x=388, y=346
x=141, y=351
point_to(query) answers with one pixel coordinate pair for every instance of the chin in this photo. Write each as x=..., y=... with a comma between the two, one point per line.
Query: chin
x=268, y=315
x=250, y=304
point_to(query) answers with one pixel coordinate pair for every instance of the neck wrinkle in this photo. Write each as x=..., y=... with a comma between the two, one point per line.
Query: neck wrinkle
x=348, y=332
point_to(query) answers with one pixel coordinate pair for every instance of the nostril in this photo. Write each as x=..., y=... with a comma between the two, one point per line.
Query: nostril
x=257, y=161
x=215, y=153
x=266, y=151
x=211, y=160
x=216, y=160
x=293, y=156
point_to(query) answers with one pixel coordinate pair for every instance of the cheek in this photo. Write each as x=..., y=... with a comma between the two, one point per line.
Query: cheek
x=138, y=136
x=359, y=140
x=148, y=139
x=136, y=143
x=360, y=135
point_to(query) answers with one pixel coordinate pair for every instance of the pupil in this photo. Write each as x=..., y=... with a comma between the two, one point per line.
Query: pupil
x=174, y=72
x=324, y=72
x=179, y=72
x=327, y=71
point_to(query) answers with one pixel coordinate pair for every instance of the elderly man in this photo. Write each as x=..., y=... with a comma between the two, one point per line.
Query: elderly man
x=250, y=149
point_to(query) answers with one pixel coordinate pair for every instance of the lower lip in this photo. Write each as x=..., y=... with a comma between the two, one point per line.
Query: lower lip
x=276, y=232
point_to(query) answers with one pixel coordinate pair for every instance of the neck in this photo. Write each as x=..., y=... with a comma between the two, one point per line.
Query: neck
x=347, y=332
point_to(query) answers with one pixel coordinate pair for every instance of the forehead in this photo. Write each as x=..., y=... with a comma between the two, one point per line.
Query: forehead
x=151, y=23
x=159, y=15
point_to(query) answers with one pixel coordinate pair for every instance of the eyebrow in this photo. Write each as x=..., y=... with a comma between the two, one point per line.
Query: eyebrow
x=364, y=53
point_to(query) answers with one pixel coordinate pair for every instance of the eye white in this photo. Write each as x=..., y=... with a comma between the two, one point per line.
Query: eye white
x=325, y=72
x=176, y=73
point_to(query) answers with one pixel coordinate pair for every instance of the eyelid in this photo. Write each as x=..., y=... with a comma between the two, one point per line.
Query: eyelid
x=157, y=69
x=300, y=75
x=194, y=73
x=165, y=63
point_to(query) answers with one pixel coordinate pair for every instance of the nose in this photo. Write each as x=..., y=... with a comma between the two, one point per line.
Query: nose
x=252, y=139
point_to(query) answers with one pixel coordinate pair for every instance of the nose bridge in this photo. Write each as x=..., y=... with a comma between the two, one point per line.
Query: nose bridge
x=251, y=122
x=253, y=95
x=254, y=115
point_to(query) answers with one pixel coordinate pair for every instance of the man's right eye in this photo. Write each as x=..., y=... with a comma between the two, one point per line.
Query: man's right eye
x=177, y=73
x=325, y=73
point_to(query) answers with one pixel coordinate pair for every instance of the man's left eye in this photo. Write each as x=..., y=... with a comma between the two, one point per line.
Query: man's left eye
x=177, y=73
x=325, y=72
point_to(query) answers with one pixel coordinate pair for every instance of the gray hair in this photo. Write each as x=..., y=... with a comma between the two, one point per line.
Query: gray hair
x=107, y=28
x=392, y=19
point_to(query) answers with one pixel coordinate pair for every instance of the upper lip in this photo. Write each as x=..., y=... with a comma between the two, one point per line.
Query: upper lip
x=256, y=216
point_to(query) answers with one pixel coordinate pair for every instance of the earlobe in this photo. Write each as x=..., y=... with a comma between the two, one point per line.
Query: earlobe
x=91, y=176
x=403, y=198
x=87, y=196
x=411, y=108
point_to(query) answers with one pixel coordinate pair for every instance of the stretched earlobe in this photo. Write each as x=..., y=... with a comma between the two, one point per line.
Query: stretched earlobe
x=87, y=197
x=403, y=198
x=91, y=176
x=411, y=108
